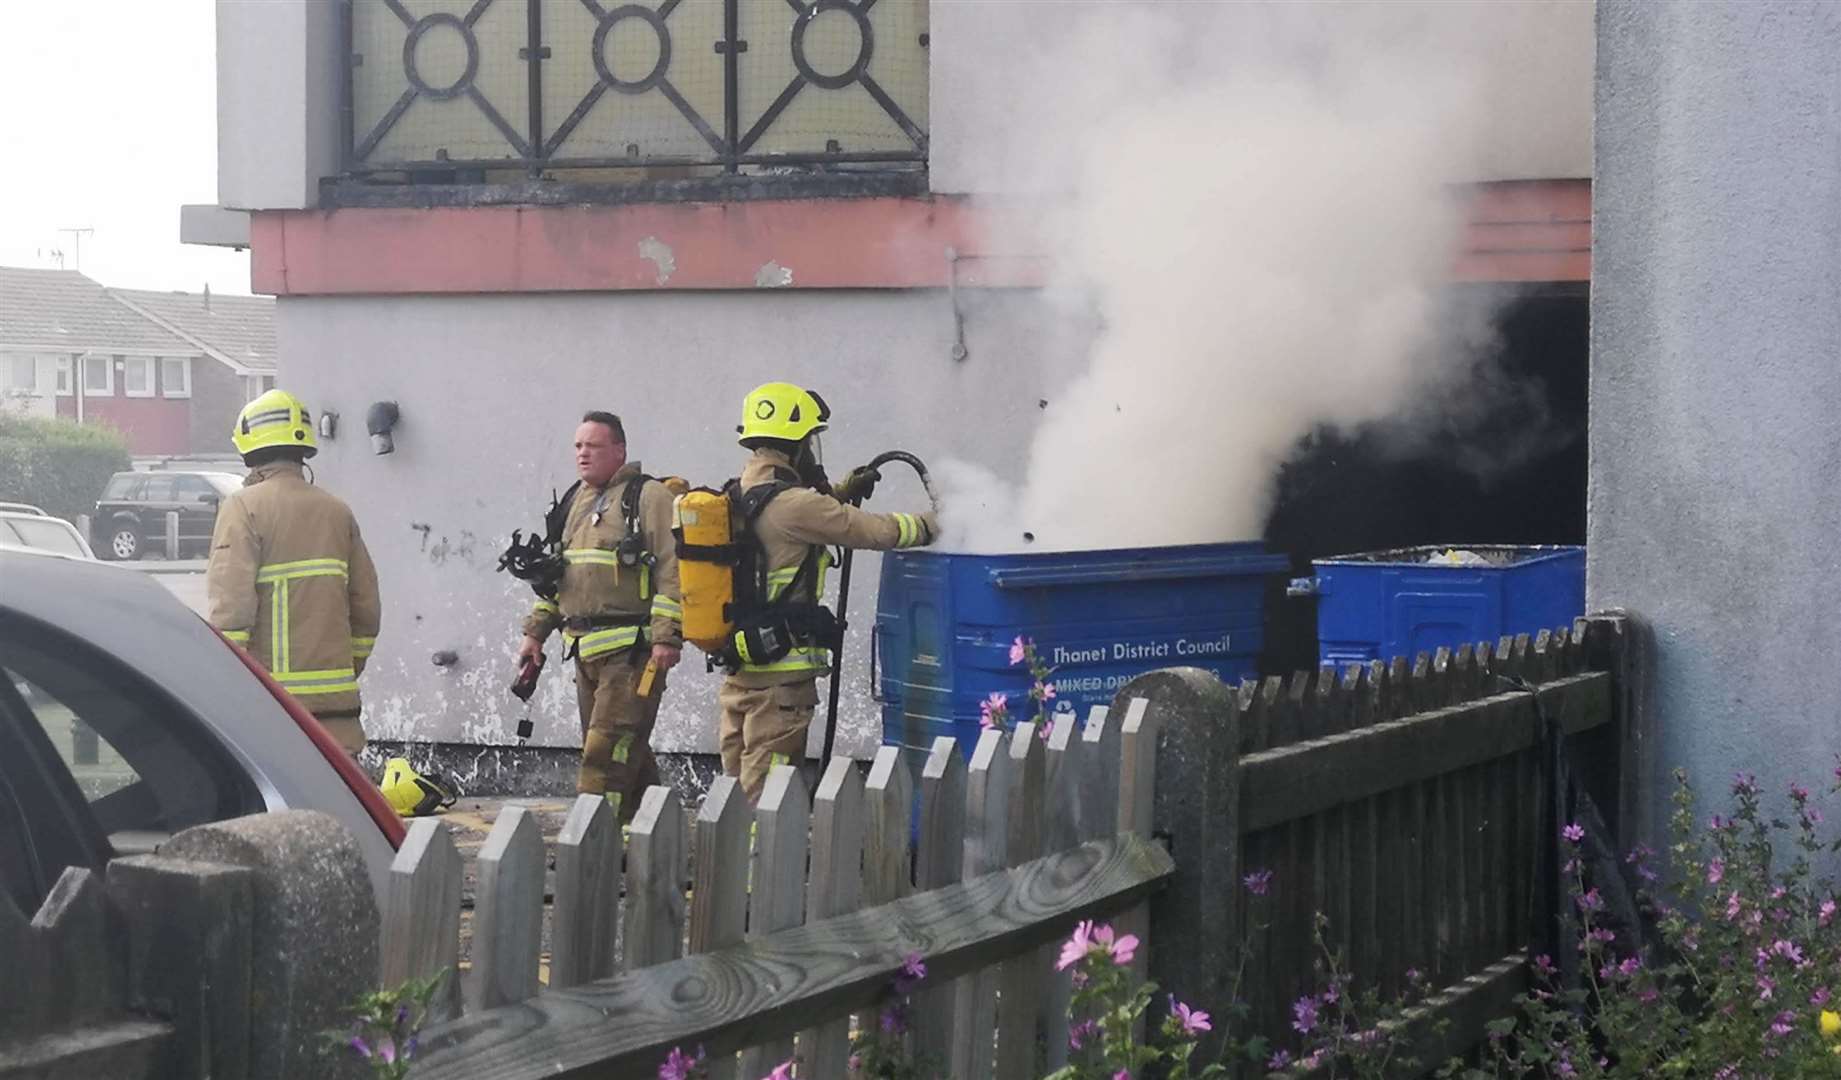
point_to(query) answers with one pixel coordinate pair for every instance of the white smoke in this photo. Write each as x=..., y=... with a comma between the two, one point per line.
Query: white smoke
x=1258, y=202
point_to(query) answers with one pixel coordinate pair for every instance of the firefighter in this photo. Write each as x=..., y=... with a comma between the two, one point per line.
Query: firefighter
x=767, y=707
x=289, y=577
x=618, y=609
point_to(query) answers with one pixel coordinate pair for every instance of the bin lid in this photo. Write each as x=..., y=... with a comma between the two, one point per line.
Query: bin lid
x=1485, y=556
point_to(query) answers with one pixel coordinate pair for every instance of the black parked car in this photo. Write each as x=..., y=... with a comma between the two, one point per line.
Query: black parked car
x=130, y=517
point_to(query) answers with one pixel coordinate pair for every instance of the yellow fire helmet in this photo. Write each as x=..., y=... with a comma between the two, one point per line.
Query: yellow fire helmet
x=779, y=410
x=410, y=793
x=276, y=418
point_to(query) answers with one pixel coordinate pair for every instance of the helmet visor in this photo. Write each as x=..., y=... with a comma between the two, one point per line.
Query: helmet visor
x=815, y=448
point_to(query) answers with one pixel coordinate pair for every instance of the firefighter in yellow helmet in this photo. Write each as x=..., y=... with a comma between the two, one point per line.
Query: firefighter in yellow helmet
x=793, y=515
x=618, y=609
x=289, y=577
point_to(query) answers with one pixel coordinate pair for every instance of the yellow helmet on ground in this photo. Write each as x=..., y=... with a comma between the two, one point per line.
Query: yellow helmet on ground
x=779, y=410
x=410, y=793
x=276, y=418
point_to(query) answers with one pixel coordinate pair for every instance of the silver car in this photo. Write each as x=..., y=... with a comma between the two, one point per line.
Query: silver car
x=125, y=718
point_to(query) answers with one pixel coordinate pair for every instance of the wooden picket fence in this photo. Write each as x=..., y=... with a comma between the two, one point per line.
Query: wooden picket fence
x=768, y=952
x=1403, y=802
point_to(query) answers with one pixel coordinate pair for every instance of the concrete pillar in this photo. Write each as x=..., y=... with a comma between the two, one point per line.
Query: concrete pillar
x=1715, y=392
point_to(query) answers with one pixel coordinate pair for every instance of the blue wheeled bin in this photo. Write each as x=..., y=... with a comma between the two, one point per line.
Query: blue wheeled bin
x=1381, y=604
x=945, y=622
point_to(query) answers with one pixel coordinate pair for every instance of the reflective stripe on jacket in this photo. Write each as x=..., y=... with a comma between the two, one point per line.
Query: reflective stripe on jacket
x=791, y=525
x=290, y=579
x=596, y=584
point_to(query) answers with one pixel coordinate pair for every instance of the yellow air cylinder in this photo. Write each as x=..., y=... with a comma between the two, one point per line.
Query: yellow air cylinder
x=707, y=585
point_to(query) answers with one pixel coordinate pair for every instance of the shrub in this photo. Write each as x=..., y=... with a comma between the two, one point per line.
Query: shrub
x=57, y=465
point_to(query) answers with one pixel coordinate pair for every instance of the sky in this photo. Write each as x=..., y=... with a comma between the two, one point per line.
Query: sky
x=111, y=124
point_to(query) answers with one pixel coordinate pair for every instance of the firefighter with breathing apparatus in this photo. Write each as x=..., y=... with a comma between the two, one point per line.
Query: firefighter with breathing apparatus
x=754, y=558
x=606, y=573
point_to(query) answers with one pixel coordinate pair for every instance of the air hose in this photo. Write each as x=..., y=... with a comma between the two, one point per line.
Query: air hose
x=843, y=587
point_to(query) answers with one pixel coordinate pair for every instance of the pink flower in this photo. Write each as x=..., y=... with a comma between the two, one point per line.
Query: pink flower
x=1573, y=833
x=1079, y=1033
x=1304, y=1015
x=1045, y=691
x=1766, y=988
x=1077, y=946
x=782, y=1071
x=1193, y=1021
x=1121, y=949
x=1828, y=912
x=1259, y=882
x=1716, y=870
x=1019, y=650
x=1121, y=1075
x=1733, y=905
x=1820, y=998
x=679, y=1065
x=1591, y=901
x=1045, y=729
x=992, y=710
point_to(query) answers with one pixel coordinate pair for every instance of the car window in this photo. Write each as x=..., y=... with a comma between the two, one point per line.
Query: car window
x=158, y=488
x=47, y=534
x=189, y=486
x=121, y=485
x=146, y=765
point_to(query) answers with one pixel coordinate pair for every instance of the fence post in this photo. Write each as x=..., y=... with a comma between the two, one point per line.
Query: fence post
x=939, y=863
x=1021, y=978
x=987, y=795
x=719, y=888
x=421, y=926
x=172, y=534
x=1195, y=808
x=582, y=919
x=778, y=900
x=655, y=864
x=1618, y=642
x=508, y=915
x=835, y=888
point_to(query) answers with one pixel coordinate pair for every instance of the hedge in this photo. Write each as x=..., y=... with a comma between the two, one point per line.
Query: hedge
x=57, y=465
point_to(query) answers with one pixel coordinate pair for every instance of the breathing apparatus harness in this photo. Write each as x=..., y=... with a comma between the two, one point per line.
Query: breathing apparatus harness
x=539, y=561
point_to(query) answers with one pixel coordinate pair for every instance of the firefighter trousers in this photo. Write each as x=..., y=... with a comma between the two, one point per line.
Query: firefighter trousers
x=617, y=725
x=345, y=730
x=764, y=726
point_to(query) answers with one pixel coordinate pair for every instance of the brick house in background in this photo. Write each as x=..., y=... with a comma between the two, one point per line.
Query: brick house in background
x=168, y=370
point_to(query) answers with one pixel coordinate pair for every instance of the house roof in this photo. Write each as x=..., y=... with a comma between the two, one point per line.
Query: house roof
x=63, y=311
x=238, y=330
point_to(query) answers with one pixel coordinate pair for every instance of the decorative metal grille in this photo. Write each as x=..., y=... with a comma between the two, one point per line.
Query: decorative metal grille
x=583, y=84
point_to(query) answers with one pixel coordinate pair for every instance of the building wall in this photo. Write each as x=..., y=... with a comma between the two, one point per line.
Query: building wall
x=278, y=91
x=1715, y=392
x=492, y=387
x=151, y=425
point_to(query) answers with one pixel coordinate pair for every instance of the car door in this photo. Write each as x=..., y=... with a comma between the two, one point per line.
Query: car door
x=157, y=496
x=145, y=767
x=197, y=502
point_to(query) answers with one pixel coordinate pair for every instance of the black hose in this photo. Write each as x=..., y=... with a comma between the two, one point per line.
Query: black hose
x=843, y=591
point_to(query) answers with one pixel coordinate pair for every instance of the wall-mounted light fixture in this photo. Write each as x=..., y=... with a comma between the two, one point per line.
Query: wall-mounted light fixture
x=380, y=420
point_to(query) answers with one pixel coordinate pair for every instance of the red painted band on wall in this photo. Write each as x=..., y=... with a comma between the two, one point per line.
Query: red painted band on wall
x=1518, y=231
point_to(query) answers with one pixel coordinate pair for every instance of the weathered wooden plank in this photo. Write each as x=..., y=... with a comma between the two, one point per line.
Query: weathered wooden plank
x=1453, y=1020
x=584, y=917
x=1364, y=829
x=508, y=912
x=777, y=903
x=939, y=863
x=187, y=930
x=125, y=1048
x=1062, y=830
x=719, y=882
x=768, y=988
x=1021, y=978
x=987, y=797
x=1261, y=716
x=835, y=888
x=1099, y=783
x=888, y=801
x=421, y=924
x=655, y=862
x=1291, y=782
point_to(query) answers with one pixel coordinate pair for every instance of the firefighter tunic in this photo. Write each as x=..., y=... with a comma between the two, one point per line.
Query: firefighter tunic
x=611, y=615
x=290, y=580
